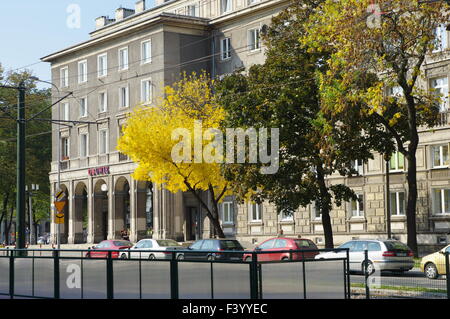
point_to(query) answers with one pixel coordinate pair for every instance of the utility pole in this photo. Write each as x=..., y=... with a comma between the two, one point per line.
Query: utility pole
x=20, y=199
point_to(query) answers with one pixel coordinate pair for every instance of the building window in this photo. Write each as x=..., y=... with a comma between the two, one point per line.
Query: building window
x=228, y=212
x=146, y=52
x=439, y=156
x=83, y=107
x=82, y=71
x=103, y=142
x=146, y=91
x=358, y=167
x=225, y=48
x=102, y=102
x=83, y=145
x=440, y=40
x=64, y=75
x=397, y=203
x=65, y=111
x=253, y=40
x=395, y=91
x=440, y=86
x=192, y=10
x=357, y=206
x=226, y=6
x=102, y=65
x=64, y=148
x=397, y=162
x=317, y=214
x=256, y=212
x=441, y=201
x=123, y=59
x=286, y=215
x=124, y=96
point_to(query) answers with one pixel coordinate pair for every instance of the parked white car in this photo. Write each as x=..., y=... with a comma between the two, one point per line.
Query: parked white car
x=383, y=255
x=152, y=249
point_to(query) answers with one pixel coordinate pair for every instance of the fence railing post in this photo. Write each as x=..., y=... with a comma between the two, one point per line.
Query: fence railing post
x=56, y=277
x=447, y=273
x=174, y=285
x=254, y=277
x=11, y=274
x=304, y=274
x=109, y=277
x=348, y=273
x=366, y=273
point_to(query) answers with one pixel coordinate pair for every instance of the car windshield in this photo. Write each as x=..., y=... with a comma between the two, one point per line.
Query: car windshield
x=231, y=244
x=396, y=246
x=122, y=243
x=167, y=242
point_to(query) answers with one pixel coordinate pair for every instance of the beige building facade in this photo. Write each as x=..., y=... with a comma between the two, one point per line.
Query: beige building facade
x=129, y=59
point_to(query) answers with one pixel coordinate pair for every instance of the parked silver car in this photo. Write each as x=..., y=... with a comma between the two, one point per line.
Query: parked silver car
x=383, y=255
x=152, y=249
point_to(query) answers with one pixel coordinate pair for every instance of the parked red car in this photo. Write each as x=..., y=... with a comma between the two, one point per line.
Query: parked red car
x=282, y=243
x=101, y=250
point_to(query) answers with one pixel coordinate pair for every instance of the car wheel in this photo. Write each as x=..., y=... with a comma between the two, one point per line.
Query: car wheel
x=285, y=258
x=431, y=271
x=211, y=257
x=180, y=257
x=370, y=268
x=123, y=256
x=248, y=258
x=151, y=257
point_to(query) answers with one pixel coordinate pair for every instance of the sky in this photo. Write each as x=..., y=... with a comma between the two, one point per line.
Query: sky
x=32, y=29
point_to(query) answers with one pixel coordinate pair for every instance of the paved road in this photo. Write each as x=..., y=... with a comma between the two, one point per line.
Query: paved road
x=151, y=279
x=412, y=278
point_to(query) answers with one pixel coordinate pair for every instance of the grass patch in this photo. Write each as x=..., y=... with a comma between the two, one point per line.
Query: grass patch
x=417, y=262
x=403, y=288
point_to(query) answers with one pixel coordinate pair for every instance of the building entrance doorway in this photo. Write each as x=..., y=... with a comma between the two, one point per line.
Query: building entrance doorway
x=192, y=224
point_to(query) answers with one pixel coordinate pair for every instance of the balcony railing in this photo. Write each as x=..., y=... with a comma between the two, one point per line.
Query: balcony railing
x=64, y=164
x=123, y=157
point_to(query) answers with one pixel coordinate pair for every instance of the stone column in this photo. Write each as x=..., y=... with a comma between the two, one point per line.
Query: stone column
x=133, y=211
x=90, y=198
x=72, y=214
x=111, y=211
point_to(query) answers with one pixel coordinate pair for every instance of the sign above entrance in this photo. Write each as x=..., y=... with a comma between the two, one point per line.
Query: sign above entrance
x=98, y=171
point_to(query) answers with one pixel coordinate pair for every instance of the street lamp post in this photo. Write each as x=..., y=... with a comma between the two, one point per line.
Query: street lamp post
x=20, y=192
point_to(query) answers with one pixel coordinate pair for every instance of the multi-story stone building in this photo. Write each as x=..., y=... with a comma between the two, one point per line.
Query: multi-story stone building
x=129, y=60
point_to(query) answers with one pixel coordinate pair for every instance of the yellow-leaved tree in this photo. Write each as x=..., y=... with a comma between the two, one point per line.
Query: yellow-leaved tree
x=178, y=143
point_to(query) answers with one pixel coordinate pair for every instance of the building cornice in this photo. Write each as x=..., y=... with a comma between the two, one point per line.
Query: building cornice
x=163, y=18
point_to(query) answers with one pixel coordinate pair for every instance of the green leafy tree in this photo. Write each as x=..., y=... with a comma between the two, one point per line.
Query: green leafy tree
x=374, y=50
x=38, y=145
x=314, y=144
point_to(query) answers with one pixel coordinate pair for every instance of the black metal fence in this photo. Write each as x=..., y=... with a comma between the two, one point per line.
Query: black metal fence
x=80, y=274
x=428, y=279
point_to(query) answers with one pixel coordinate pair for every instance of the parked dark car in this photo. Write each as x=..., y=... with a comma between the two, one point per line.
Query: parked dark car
x=101, y=250
x=211, y=249
x=279, y=244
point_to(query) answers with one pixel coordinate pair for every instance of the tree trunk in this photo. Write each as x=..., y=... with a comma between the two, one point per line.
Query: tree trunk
x=4, y=211
x=412, y=202
x=8, y=228
x=325, y=204
x=212, y=215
